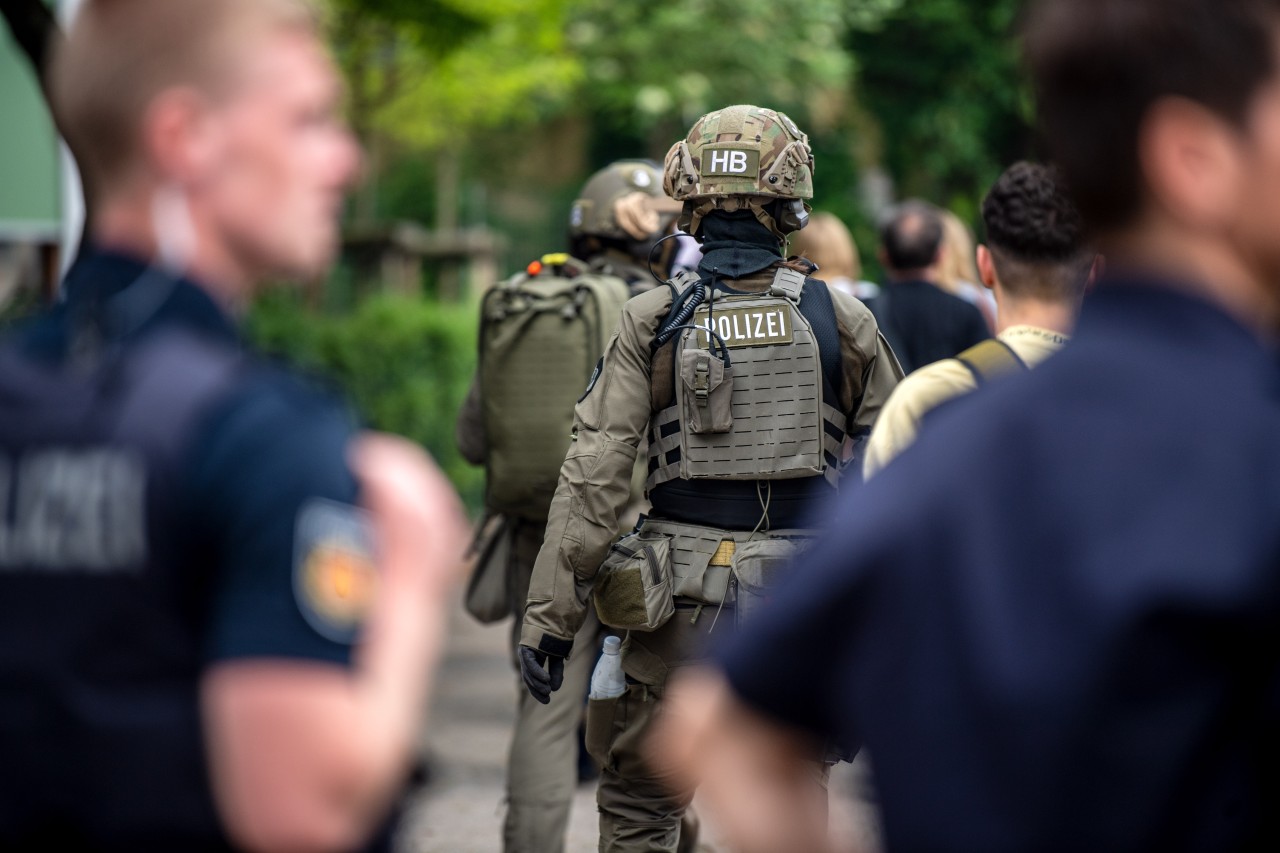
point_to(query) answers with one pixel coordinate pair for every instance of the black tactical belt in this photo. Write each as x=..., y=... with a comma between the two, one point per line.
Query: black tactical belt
x=735, y=504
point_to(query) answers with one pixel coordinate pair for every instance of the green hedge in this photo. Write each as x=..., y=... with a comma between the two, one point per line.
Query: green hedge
x=405, y=363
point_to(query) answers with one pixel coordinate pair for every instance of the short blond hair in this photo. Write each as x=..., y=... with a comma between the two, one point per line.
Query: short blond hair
x=958, y=263
x=827, y=242
x=121, y=54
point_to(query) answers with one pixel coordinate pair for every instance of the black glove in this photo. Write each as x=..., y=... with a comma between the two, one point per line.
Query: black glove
x=542, y=678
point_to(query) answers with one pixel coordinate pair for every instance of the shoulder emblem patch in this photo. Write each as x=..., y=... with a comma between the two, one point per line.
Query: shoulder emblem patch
x=335, y=578
x=591, y=383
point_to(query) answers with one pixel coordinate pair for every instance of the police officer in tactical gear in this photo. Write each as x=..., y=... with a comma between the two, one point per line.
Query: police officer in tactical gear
x=745, y=379
x=614, y=224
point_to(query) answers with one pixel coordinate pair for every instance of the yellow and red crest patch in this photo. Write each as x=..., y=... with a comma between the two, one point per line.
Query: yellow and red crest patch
x=339, y=584
x=335, y=576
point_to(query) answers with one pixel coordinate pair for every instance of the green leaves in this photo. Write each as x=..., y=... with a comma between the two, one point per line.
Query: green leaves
x=673, y=60
x=942, y=80
x=426, y=75
x=405, y=363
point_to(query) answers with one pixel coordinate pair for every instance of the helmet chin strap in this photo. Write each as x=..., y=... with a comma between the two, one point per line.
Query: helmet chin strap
x=174, y=231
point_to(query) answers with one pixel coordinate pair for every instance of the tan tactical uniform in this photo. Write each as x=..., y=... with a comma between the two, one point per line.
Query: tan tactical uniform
x=934, y=384
x=542, y=765
x=639, y=811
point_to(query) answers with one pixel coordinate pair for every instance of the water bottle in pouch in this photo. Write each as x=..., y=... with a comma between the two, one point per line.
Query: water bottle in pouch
x=607, y=681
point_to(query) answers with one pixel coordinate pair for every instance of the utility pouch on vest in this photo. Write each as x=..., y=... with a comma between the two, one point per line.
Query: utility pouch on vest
x=758, y=566
x=708, y=392
x=488, y=597
x=633, y=589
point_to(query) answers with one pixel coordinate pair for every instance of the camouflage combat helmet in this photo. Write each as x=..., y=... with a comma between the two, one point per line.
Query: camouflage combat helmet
x=594, y=213
x=741, y=151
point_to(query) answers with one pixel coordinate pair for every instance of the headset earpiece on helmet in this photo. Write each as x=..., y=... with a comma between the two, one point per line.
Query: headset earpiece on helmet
x=791, y=216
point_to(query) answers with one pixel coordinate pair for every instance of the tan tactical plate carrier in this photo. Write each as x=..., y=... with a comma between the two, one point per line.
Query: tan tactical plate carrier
x=762, y=417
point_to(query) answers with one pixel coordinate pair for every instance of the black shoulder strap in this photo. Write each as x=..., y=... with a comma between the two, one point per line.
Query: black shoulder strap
x=991, y=359
x=817, y=307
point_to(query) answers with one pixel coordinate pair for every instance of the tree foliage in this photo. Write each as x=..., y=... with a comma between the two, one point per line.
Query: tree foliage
x=929, y=89
x=942, y=80
x=427, y=75
x=670, y=61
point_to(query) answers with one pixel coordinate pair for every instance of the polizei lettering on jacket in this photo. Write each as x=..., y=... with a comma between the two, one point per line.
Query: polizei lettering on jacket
x=747, y=327
x=64, y=509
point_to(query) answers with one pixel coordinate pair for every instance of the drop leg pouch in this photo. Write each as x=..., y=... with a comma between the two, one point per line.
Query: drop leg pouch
x=488, y=596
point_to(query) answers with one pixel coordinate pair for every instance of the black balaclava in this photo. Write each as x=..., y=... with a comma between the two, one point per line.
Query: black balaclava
x=736, y=244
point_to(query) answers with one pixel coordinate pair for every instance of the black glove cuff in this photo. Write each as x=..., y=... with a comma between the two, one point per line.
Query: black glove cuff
x=555, y=646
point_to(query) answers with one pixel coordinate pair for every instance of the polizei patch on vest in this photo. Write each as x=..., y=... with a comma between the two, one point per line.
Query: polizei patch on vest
x=730, y=163
x=746, y=327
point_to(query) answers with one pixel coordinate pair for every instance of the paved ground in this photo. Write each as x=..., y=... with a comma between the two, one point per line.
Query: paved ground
x=468, y=733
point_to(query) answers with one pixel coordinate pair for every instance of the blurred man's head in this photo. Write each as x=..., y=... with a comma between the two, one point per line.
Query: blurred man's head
x=1035, y=247
x=1164, y=116
x=911, y=240
x=220, y=111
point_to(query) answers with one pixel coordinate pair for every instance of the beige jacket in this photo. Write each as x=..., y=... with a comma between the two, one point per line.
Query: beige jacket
x=934, y=384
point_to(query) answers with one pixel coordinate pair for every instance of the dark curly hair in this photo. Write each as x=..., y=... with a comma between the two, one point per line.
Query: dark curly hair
x=1035, y=233
x=1028, y=215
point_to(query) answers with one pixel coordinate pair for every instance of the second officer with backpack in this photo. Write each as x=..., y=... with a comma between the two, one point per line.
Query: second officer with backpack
x=542, y=333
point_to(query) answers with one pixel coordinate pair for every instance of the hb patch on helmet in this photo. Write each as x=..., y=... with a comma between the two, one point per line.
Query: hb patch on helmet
x=740, y=150
x=742, y=155
x=730, y=163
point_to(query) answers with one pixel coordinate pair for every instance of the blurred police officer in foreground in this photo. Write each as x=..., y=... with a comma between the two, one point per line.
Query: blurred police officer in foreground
x=614, y=225
x=745, y=378
x=1056, y=617
x=184, y=570
x=1036, y=262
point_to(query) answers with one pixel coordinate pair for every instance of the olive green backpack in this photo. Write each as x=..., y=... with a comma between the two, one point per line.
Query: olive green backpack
x=542, y=333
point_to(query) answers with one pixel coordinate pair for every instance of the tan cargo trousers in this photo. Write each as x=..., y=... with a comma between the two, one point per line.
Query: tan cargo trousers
x=640, y=810
x=542, y=765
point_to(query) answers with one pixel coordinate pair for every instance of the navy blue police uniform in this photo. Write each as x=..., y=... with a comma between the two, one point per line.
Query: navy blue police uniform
x=167, y=503
x=1055, y=622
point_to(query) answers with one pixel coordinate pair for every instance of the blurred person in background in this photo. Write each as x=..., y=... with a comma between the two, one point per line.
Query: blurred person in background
x=827, y=242
x=1038, y=265
x=956, y=271
x=748, y=355
x=220, y=605
x=922, y=322
x=1054, y=621
x=614, y=225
